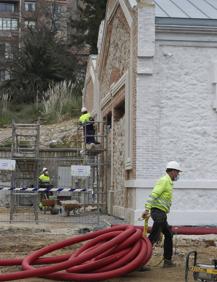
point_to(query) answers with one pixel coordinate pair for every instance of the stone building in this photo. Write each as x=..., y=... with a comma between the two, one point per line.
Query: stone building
x=155, y=78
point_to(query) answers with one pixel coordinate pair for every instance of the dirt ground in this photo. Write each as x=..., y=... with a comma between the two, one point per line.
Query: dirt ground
x=18, y=241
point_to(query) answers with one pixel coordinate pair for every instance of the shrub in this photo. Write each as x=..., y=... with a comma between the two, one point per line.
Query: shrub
x=23, y=113
x=61, y=101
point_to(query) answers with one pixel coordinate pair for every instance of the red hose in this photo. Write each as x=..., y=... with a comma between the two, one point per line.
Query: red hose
x=189, y=230
x=194, y=230
x=110, y=253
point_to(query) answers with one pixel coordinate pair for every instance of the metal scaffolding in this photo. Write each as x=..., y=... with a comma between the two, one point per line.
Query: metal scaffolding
x=25, y=151
x=78, y=178
x=95, y=155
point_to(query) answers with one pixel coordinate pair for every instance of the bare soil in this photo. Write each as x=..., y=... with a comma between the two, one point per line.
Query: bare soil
x=18, y=241
x=49, y=134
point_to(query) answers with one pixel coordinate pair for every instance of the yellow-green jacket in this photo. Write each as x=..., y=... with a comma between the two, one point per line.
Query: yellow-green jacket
x=44, y=178
x=161, y=195
x=84, y=118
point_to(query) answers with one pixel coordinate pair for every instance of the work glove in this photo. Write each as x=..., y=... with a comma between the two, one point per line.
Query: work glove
x=146, y=214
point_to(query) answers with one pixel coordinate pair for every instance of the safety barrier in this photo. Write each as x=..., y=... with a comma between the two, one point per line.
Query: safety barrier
x=32, y=189
x=28, y=208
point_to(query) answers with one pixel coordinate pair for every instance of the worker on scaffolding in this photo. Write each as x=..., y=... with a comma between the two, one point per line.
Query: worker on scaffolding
x=87, y=122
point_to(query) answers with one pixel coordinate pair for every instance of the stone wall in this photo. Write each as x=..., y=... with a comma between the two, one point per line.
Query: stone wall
x=88, y=99
x=118, y=164
x=116, y=55
x=191, y=126
x=115, y=63
x=178, y=123
x=134, y=46
x=110, y=5
x=181, y=96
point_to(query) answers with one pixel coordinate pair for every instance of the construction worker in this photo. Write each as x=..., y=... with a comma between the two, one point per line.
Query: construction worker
x=87, y=121
x=158, y=206
x=44, y=182
x=44, y=178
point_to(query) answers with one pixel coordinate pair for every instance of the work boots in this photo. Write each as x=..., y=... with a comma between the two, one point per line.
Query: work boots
x=168, y=263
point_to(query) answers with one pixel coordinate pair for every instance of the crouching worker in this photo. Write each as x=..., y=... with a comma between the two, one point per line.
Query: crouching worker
x=158, y=206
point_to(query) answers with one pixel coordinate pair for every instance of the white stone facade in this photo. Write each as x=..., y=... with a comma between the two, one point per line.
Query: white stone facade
x=179, y=123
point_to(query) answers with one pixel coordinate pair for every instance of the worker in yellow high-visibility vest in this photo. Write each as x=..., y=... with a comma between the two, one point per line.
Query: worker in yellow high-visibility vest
x=44, y=182
x=44, y=178
x=87, y=121
x=158, y=206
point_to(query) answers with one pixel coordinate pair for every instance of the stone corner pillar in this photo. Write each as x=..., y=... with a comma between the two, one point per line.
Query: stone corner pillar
x=143, y=3
x=146, y=28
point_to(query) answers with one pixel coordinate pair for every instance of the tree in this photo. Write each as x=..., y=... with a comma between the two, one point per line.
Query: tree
x=86, y=26
x=41, y=60
x=44, y=59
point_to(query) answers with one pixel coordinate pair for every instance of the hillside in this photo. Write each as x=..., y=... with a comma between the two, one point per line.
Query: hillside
x=50, y=135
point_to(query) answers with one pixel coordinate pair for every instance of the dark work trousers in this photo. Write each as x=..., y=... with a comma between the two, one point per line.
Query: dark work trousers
x=160, y=225
x=89, y=133
x=47, y=193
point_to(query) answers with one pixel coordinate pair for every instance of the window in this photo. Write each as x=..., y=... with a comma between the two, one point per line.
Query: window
x=7, y=7
x=14, y=24
x=109, y=121
x=119, y=111
x=2, y=50
x=6, y=50
x=30, y=6
x=29, y=23
x=3, y=75
x=8, y=24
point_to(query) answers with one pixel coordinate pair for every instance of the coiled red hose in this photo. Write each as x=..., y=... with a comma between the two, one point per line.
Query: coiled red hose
x=110, y=253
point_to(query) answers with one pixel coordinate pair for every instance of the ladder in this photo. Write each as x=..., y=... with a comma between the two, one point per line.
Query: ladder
x=25, y=151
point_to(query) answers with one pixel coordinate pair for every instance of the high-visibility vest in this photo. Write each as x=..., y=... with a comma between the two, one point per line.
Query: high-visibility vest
x=85, y=118
x=44, y=178
x=161, y=195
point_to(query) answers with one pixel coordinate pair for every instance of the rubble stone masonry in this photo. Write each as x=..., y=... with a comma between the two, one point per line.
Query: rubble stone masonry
x=118, y=162
x=116, y=56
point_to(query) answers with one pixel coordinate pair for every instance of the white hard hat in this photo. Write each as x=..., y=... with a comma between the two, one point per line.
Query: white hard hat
x=44, y=169
x=83, y=109
x=173, y=165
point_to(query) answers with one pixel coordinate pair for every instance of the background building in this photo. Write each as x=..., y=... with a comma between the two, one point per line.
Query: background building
x=9, y=33
x=17, y=15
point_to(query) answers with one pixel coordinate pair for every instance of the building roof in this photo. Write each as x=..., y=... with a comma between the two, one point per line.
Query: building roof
x=191, y=13
x=190, y=9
